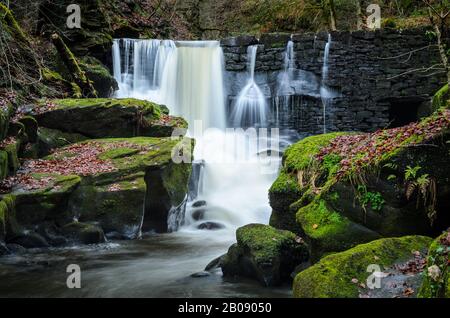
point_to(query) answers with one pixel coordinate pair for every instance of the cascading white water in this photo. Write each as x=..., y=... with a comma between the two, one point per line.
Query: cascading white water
x=325, y=94
x=250, y=108
x=190, y=82
x=285, y=85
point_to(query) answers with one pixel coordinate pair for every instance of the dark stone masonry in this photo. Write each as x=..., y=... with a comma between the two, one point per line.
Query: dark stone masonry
x=369, y=74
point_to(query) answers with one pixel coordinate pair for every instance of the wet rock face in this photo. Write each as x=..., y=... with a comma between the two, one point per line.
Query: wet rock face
x=83, y=189
x=265, y=254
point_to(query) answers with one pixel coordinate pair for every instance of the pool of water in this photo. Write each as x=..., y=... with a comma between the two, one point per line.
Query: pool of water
x=156, y=266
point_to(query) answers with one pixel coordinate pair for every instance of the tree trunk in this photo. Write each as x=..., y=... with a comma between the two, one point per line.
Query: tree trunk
x=78, y=75
x=359, y=15
x=443, y=54
x=333, y=24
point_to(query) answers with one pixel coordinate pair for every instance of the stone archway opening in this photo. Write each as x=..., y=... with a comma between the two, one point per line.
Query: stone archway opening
x=403, y=111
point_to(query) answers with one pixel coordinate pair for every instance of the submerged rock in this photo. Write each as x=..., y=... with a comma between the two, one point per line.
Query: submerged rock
x=3, y=249
x=345, y=274
x=201, y=275
x=215, y=263
x=265, y=254
x=29, y=240
x=210, y=226
x=107, y=118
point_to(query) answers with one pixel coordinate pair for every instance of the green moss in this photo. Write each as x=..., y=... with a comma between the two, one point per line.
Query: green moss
x=7, y=214
x=175, y=180
x=264, y=241
x=301, y=155
x=104, y=83
x=84, y=233
x=13, y=158
x=438, y=255
x=117, y=207
x=328, y=230
x=144, y=106
x=441, y=98
x=285, y=184
x=332, y=276
x=3, y=164
x=11, y=22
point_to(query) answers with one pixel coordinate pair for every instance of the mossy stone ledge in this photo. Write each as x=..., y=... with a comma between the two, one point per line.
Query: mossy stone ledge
x=107, y=118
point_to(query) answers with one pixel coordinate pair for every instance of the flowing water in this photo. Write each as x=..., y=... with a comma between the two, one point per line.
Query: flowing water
x=251, y=107
x=325, y=93
x=234, y=180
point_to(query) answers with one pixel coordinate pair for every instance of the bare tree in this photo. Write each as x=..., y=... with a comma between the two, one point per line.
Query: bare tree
x=439, y=12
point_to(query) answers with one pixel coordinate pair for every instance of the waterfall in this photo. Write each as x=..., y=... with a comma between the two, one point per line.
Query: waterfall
x=188, y=77
x=250, y=108
x=285, y=90
x=324, y=92
x=326, y=56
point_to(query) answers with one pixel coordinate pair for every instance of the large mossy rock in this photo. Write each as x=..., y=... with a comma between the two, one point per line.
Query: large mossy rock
x=84, y=233
x=337, y=275
x=102, y=80
x=436, y=283
x=108, y=118
x=339, y=190
x=119, y=184
x=265, y=254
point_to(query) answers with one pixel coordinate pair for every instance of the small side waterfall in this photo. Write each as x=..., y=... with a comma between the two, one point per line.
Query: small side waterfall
x=285, y=90
x=250, y=108
x=324, y=91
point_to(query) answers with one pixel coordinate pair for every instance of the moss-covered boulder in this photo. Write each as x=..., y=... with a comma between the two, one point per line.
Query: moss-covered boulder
x=341, y=275
x=328, y=230
x=339, y=190
x=119, y=184
x=436, y=283
x=265, y=254
x=42, y=197
x=84, y=233
x=107, y=118
x=288, y=188
x=102, y=80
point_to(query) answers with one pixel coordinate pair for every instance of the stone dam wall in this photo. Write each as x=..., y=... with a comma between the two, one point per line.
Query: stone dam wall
x=369, y=75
